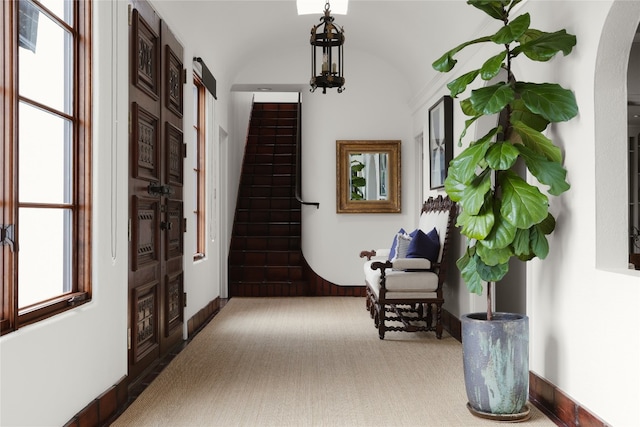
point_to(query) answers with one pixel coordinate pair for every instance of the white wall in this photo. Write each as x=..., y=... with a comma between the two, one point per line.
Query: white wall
x=83, y=350
x=369, y=108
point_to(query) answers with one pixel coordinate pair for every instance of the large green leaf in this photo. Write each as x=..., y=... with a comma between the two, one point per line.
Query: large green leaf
x=522, y=204
x=453, y=184
x=467, y=108
x=540, y=46
x=493, y=273
x=520, y=113
x=521, y=246
x=493, y=257
x=492, y=99
x=537, y=142
x=494, y=8
x=446, y=62
x=476, y=226
x=513, y=31
x=460, y=84
x=467, y=266
x=548, y=225
x=492, y=66
x=547, y=172
x=501, y=156
x=465, y=163
x=551, y=101
x=539, y=243
x=502, y=234
x=473, y=196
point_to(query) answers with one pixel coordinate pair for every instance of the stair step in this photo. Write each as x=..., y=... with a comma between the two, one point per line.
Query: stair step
x=266, y=230
x=247, y=273
x=267, y=158
x=269, y=169
x=266, y=243
x=260, y=257
x=274, y=289
x=279, y=146
x=266, y=191
x=265, y=258
x=278, y=203
x=273, y=180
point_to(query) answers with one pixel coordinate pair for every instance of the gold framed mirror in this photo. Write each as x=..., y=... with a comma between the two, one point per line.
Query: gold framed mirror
x=368, y=176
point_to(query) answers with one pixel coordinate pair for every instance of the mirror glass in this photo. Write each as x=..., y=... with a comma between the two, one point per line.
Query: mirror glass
x=368, y=176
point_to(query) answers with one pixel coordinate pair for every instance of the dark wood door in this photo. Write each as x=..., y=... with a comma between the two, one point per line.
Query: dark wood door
x=157, y=225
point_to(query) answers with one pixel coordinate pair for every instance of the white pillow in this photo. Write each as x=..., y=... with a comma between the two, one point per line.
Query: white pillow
x=403, y=246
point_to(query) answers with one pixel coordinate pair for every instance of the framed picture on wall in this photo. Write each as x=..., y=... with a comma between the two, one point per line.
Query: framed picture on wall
x=440, y=140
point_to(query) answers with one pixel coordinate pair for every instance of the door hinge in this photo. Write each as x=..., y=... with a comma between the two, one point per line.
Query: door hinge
x=184, y=76
x=130, y=13
x=129, y=230
x=7, y=236
x=184, y=150
x=129, y=339
x=184, y=225
x=184, y=298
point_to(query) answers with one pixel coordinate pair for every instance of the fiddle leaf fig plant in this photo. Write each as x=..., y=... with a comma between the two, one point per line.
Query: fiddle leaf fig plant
x=501, y=214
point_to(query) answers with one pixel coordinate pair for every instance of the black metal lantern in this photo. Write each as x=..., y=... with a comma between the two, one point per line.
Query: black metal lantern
x=326, y=42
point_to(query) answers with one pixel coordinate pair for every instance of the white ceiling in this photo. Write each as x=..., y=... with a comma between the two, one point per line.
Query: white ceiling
x=407, y=34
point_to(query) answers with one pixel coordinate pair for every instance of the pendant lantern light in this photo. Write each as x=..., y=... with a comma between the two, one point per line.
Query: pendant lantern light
x=327, y=58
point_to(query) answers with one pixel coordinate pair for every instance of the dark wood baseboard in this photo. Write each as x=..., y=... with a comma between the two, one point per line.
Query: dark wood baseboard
x=552, y=401
x=103, y=408
x=559, y=406
x=202, y=317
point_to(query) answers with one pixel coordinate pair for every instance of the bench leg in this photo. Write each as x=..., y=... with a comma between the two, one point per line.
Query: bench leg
x=439, y=321
x=381, y=315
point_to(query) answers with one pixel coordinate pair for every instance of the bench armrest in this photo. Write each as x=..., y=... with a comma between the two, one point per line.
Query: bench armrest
x=378, y=254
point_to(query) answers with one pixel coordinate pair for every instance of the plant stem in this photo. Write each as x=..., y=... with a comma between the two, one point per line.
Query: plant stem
x=489, y=309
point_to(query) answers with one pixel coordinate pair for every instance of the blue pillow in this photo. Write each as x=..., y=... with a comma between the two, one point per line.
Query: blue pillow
x=394, y=245
x=425, y=245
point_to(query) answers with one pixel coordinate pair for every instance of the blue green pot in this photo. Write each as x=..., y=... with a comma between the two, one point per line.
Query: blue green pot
x=496, y=363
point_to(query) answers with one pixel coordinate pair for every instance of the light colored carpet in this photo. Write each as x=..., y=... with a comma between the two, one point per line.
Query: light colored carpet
x=308, y=362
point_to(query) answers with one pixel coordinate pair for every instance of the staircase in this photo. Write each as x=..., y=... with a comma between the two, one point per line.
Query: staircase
x=265, y=258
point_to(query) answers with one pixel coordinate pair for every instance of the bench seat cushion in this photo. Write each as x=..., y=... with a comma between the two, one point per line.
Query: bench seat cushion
x=418, y=283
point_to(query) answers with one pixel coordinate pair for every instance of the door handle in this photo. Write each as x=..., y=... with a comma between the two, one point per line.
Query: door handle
x=165, y=225
x=157, y=189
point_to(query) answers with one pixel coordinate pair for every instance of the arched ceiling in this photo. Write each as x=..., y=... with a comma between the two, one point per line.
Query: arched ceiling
x=408, y=34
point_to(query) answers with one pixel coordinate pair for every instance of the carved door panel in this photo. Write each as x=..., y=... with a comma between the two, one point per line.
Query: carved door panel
x=155, y=188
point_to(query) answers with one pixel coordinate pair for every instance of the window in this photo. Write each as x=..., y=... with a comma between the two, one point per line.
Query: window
x=46, y=155
x=198, y=155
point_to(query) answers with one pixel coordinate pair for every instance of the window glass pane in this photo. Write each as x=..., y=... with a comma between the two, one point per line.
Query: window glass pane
x=44, y=259
x=45, y=156
x=45, y=60
x=62, y=8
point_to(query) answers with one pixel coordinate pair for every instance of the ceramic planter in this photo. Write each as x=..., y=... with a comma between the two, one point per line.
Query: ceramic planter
x=496, y=364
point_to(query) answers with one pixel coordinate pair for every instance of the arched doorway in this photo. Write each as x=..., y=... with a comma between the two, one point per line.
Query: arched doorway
x=610, y=112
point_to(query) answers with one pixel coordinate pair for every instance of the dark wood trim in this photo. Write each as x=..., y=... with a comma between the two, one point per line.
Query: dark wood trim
x=202, y=317
x=320, y=287
x=103, y=409
x=559, y=406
